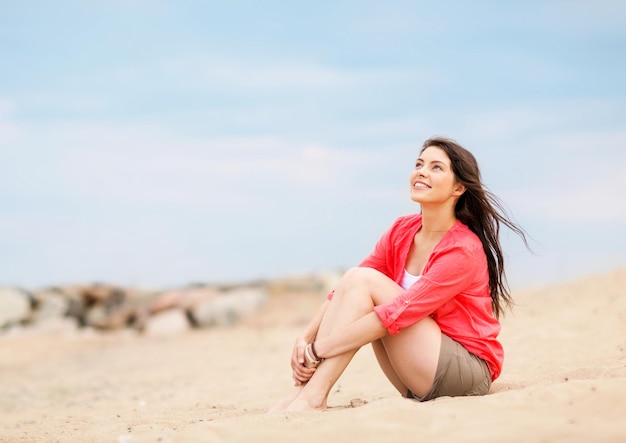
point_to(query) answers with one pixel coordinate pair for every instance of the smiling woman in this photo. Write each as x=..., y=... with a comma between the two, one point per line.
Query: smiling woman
x=433, y=174
x=427, y=298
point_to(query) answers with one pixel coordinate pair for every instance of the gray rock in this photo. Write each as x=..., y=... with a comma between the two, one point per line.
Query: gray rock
x=103, y=316
x=167, y=323
x=49, y=304
x=103, y=293
x=14, y=307
x=107, y=307
x=58, y=326
x=229, y=307
x=180, y=298
x=77, y=304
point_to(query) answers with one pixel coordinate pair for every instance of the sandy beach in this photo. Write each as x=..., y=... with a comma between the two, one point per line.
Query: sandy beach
x=564, y=380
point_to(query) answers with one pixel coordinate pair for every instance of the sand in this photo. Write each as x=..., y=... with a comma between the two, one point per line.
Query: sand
x=564, y=380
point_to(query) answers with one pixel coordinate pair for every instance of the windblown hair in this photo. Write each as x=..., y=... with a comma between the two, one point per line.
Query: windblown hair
x=483, y=213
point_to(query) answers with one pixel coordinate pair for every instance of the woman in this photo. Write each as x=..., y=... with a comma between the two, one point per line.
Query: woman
x=428, y=297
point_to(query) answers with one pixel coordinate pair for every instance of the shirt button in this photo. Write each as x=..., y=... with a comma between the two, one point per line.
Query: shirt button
x=406, y=302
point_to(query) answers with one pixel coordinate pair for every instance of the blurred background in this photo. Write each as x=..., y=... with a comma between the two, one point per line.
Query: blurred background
x=157, y=143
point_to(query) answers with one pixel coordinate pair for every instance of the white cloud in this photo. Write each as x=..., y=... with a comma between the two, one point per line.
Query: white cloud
x=10, y=130
x=148, y=164
x=279, y=76
x=55, y=102
x=599, y=200
x=563, y=172
x=580, y=15
x=538, y=117
x=553, y=159
x=580, y=175
x=6, y=106
x=114, y=200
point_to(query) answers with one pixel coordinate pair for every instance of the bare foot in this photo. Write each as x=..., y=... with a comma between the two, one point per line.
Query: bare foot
x=285, y=402
x=302, y=404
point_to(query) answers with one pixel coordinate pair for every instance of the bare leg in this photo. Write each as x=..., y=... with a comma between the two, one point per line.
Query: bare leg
x=350, y=302
x=285, y=402
x=409, y=359
x=387, y=367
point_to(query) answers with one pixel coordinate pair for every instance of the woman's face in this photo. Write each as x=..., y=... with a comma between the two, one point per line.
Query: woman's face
x=432, y=180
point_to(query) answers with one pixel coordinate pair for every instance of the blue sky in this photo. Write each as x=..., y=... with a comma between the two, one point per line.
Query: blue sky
x=161, y=143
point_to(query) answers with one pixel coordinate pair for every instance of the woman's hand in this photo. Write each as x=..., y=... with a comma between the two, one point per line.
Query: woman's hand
x=301, y=372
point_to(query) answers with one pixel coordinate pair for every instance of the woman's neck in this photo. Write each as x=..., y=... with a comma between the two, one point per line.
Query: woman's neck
x=436, y=223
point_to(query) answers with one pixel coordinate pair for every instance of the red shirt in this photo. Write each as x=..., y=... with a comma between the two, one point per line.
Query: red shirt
x=453, y=288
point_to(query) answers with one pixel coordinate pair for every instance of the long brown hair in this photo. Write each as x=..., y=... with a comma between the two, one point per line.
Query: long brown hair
x=483, y=213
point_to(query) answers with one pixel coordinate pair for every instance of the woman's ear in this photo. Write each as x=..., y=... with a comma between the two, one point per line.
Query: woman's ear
x=459, y=189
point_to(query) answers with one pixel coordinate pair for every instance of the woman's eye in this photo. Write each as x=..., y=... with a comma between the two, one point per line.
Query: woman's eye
x=438, y=167
x=418, y=165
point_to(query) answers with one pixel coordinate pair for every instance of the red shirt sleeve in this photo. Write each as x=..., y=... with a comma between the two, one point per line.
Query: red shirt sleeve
x=449, y=271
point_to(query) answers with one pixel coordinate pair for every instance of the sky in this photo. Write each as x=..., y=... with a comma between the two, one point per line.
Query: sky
x=161, y=143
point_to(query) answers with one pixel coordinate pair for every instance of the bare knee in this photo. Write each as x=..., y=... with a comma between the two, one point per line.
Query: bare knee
x=359, y=275
x=352, y=276
x=377, y=285
x=356, y=278
x=353, y=284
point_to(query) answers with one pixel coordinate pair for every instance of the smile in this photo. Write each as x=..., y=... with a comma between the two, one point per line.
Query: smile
x=420, y=185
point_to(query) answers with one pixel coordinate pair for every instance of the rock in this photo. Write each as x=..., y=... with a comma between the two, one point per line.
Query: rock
x=101, y=293
x=108, y=307
x=167, y=323
x=49, y=304
x=182, y=298
x=321, y=282
x=228, y=308
x=102, y=316
x=77, y=304
x=59, y=326
x=14, y=307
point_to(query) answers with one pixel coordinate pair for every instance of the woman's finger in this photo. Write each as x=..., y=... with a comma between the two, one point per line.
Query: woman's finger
x=302, y=373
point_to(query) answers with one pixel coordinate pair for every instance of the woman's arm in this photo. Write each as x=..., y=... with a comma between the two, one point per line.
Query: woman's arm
x=301, y=373
x=360, y=332
x=310, y=331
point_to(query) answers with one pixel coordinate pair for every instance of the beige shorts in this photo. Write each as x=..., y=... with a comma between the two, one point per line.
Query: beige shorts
x=459, y=373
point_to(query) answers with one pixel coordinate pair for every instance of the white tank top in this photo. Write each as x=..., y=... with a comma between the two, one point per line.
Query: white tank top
x=408, y=280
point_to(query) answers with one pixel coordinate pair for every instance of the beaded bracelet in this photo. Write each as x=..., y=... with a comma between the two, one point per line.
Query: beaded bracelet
x=311, y=356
